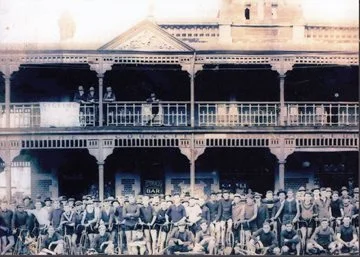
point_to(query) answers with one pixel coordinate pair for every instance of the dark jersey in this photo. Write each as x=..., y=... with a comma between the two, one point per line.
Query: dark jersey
x=7, y=217
x=346, y=233
x=336, y=207
x=176, y=213
x=214, y=209
x=226, y=209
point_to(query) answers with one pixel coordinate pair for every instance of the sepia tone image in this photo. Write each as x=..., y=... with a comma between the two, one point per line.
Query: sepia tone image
x=192, y=127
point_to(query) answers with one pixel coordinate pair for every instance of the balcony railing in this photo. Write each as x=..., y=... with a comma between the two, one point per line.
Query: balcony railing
x=147, y=114
x=177, y=114
x=237, y=114
x=322, y=114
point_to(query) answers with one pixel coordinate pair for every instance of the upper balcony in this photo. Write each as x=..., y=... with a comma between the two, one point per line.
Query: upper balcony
x=208, y=115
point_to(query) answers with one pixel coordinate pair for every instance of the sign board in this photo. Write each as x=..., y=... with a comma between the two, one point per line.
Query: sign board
x=59, y=114
x=153, y=187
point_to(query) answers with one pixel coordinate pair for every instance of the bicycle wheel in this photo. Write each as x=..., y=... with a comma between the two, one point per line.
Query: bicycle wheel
x=67, y=246
x=119, y=242
x=84, y=243
x=17, y=247
x=230, y=241
x=39, y=244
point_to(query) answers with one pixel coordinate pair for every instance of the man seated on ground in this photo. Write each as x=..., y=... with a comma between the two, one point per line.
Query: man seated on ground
x=290, y=241
x=137, y=246
x=322, y=239
x=347, y=239
x=181, y=239
x=204, y=240
x=52, y=243
x=102, y=242
x=264, y=241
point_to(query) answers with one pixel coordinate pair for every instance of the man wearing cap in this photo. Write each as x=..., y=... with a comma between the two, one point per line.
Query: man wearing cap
x=176, y=211
x=97, y=209
x=250, y=215
x=226, y=215
x=131, y=213
x=316, y=193
x=205, y=212
x=344, y=192
x=68, y=223
x=28, y=205
x=102, y=242
x=181, y=239
x=307, y=215
x=89, y=220
x=91, y=96
x=71, y=202
x=322, y=239
x=300, y=194
x=336, y=209
x=204, y=239
x=161, y=227
x=290, y=209
x=55, y=215
x=106, y=217
x=281, y=195
x=214, y=210
x=262, y=211
x=6, y=235
x=193, y=212
x=237, y=216
x=78, y=213
x=52, y=243
x=147, y=218
x=264, y=240
x=347, y=239
x=328, y=191
x=349, y=209
x=109, y=95
x=20, y=220
x=80, y=96
x=290, y=241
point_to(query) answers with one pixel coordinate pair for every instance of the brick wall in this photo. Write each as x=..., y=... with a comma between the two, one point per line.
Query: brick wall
x=44, y=183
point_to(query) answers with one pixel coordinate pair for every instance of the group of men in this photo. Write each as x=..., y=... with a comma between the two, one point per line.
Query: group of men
x=310, y=221
x=91, y=97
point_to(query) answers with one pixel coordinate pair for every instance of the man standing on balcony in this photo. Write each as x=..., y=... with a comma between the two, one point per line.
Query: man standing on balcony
x=109, y=95
x=154, y=107
x=91, y=96
x=80, y=96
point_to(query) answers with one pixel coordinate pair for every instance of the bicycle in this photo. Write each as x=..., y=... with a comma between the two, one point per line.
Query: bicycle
x=119, y=239
x=84, y=240
x=228, y=241
x=68, y=246
x=161, y=237
x=21, y=242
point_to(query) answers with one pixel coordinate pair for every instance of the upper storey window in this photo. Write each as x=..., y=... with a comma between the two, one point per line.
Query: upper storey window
x=274, y=12
x=247, y=14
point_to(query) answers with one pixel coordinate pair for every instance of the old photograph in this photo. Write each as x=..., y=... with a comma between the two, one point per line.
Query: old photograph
x=192, y=127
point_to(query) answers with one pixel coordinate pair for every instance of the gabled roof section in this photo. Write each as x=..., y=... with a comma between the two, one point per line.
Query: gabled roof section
x=147, y=36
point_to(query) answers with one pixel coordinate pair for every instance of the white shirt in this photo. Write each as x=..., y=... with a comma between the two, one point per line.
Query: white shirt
x=42, y=216
x=194, y=213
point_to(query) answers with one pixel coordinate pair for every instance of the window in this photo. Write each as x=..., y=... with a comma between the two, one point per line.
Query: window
x=274, y=12
x=247, y=14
